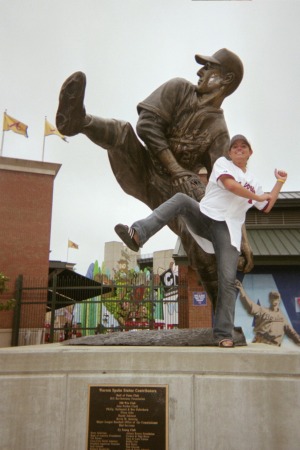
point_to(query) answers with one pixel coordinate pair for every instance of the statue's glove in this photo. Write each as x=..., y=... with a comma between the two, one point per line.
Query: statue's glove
x=189, y=183
x=246, y=260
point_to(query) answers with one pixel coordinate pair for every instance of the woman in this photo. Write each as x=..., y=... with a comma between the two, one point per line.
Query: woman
x=215, y=223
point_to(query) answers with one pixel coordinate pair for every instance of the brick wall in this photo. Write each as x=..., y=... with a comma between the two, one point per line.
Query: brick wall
x=26, y=192
x=25, y=209
x=190, y=315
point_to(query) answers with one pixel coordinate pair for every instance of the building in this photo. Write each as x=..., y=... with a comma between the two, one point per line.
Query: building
x=26, y=193
x=25, y=223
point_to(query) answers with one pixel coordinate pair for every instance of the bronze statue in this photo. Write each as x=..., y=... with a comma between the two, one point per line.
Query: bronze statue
x=183, y=128
x=270, y=323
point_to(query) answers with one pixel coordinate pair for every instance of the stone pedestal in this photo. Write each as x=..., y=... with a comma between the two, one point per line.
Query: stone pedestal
x=229, y=399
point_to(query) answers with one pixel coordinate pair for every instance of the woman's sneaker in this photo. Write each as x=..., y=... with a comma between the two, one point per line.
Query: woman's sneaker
x=127, y=235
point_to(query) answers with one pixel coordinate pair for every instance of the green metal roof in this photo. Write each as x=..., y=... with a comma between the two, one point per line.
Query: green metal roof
x=276, y=242
x=289, y=195
x=270, y=246
x=274, y=237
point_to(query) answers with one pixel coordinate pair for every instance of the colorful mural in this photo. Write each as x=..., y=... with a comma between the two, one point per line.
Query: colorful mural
x=258, y=286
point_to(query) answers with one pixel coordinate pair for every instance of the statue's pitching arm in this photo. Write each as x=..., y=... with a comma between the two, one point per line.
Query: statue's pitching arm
x=292, y=334
x=152, y=130
x=246, y=301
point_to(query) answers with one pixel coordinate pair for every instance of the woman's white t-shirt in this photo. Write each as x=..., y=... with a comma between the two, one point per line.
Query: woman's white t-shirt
x=220, y=204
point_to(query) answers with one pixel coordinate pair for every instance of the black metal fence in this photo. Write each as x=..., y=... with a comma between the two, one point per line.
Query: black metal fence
x=60, y=309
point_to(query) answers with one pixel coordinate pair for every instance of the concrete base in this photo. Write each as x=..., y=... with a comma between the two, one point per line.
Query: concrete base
x=219, y=399
x=5, y=337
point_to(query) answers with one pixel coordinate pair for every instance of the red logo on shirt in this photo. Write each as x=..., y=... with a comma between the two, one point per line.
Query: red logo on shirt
x=250, y=188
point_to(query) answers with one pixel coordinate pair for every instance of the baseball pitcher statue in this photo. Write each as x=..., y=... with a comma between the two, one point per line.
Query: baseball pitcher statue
x=183, y=130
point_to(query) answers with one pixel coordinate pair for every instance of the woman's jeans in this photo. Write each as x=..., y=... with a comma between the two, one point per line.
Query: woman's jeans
x=215, y=231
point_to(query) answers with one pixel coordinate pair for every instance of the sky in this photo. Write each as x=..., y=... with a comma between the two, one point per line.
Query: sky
x=127, y=48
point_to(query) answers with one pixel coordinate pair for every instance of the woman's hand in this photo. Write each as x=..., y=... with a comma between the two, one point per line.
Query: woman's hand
x=280, y=175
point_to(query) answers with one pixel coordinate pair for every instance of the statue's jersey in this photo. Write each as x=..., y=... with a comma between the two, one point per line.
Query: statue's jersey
x=270, y=326
x=196, y=134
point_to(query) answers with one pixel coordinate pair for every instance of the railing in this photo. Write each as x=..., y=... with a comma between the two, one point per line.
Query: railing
x=61, y=311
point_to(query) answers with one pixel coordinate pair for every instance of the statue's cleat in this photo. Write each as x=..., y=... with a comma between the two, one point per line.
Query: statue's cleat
x=71, y=112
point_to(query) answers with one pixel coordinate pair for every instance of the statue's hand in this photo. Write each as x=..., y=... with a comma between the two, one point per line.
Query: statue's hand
x=189, y=183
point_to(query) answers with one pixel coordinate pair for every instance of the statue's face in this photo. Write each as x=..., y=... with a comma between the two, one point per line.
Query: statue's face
x=275, y=304
x=210, y=79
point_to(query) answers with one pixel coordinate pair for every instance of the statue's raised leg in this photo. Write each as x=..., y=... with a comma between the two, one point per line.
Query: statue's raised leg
x=130, y=160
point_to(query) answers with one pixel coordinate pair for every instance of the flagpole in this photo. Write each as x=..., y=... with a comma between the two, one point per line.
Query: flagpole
x=44, y=141
x=68, y=251
x=2, y=140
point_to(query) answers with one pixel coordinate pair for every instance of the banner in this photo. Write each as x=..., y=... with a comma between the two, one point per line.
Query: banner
x=51, y=129
x=72, y=244
x=11, y=124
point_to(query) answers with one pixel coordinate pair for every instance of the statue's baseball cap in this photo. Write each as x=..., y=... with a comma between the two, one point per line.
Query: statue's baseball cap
x=229, y=62
x=239, y=137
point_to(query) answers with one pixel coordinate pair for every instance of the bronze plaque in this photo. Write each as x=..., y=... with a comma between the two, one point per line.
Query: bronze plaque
x=127, y=417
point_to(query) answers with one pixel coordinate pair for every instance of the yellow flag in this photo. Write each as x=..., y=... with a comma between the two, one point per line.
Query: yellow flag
x=9, y=123
x=51, y=129
x=72, y=245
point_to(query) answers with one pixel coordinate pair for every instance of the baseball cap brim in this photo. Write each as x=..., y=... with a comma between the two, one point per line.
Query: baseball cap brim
x=204, y=59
